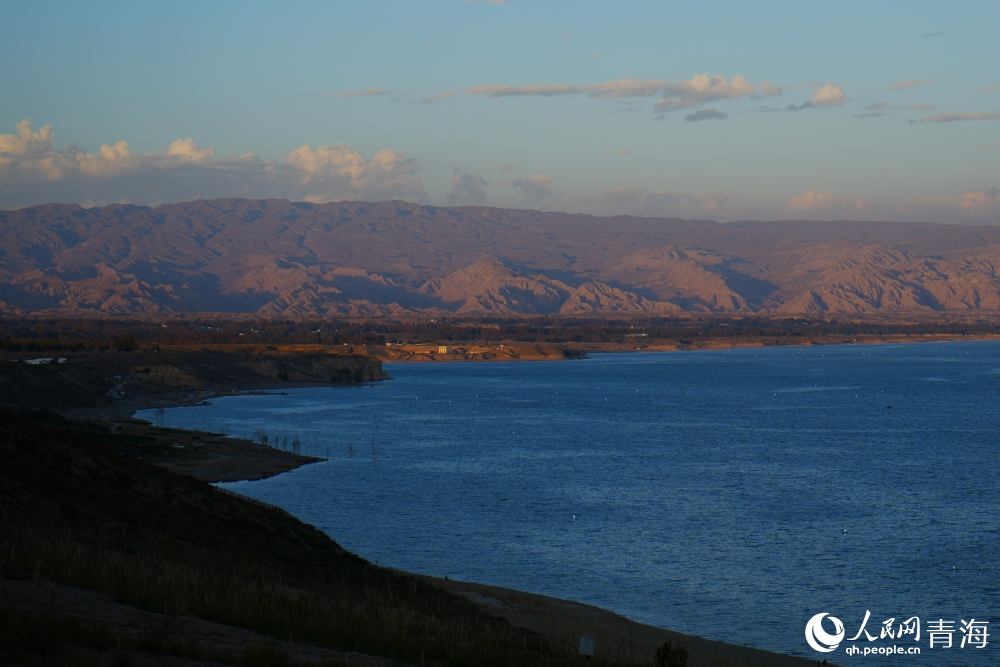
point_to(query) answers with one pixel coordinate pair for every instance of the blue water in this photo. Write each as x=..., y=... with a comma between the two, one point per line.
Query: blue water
x=728, y=494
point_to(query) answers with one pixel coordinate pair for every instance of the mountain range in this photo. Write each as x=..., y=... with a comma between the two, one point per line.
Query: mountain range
x=277, y=258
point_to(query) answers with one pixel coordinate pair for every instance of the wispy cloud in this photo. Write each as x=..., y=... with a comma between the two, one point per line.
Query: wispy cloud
x=880, y=109
x=488, y=2
x=955, y=117
x=673, y=94
x=33, y=170
x=936, y=33
x=705, y=114
x=906, y=84
x=437, y=98
x=986, y=147
x=367, y=92
x=987, y=89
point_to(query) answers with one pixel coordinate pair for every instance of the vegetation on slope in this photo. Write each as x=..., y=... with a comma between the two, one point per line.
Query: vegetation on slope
x=78, y=513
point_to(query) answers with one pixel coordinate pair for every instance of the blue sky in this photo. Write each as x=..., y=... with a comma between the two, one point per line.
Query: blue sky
x=579, y=106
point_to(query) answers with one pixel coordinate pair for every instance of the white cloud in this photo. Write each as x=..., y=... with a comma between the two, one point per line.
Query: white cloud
x=825, y=95
x=640, y=201
x=33, y=170
x=673, y=94
x=826, y=205
x=829, y=95
x=467, y=189
x=534, y=188
x=186, y=149
x=811, y=201
x=25, y=142
x=982, y=206
x=906, y=84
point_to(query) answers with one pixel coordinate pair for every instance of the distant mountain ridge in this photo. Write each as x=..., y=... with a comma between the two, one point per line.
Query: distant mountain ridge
x=283, y=259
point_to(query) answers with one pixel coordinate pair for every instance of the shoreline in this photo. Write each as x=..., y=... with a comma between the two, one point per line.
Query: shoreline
x=96, y=393
x=210, y=457
x=546, y=615
x=566, y=619
x=575, y=351
x=269, y=461
x=569, y=619
x=196, y=454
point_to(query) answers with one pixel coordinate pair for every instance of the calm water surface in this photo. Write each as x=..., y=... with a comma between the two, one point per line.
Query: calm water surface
x=727, y=494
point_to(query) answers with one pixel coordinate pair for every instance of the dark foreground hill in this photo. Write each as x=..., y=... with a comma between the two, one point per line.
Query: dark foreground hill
x=282, y=259
x=79, y=514
x=108, y=561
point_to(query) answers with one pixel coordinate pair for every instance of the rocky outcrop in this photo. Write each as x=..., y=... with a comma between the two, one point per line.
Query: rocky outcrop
x=594, y=297
x=689, y=278
x=488, y=286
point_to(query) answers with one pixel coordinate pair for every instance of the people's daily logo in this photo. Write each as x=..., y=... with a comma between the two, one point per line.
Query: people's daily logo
x=820, y=639
x=903, y=635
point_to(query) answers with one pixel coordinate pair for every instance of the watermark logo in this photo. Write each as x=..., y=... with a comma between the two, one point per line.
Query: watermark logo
x=820, y=639
x=939, y=634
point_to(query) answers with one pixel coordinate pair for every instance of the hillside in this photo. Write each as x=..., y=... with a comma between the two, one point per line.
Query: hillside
x=276, y=258
x=108, y=560
x=82, y=516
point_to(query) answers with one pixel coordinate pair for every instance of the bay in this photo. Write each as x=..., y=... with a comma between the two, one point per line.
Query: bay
x=729, y=494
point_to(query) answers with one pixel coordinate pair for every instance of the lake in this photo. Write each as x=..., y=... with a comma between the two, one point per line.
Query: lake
x=729, y=494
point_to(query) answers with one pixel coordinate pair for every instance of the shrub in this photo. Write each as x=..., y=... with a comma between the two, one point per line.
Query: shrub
x=669, y=655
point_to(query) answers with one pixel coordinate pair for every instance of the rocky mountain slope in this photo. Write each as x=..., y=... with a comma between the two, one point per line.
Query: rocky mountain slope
x=283, y=259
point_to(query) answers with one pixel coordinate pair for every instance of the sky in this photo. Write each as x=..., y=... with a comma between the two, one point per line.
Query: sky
x=711, y=110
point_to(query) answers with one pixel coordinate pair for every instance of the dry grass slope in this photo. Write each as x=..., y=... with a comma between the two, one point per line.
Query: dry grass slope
x=79, y=514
